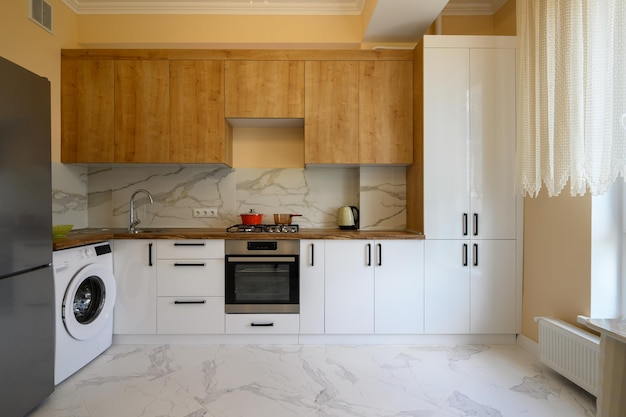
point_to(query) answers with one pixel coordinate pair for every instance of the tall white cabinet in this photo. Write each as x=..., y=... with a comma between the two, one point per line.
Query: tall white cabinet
x=471, y=210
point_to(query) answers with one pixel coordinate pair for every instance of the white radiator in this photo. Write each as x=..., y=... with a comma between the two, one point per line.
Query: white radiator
x=571, y=351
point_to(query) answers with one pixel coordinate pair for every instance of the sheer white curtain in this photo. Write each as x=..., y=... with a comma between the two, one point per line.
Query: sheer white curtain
x=571, y=95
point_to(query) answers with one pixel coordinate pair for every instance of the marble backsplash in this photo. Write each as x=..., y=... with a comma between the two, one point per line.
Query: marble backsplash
x=99, y=196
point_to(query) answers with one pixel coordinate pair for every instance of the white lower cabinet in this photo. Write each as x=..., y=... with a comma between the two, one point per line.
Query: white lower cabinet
x=374, y=286
x=312, y=286
x=470, y=287
x=399, y=287
x=349, y=287
x=262, y=323
x=190, y=287
x=134, y=267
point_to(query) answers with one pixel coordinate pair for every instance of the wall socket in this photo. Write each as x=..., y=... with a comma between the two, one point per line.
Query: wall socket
x=204, y=212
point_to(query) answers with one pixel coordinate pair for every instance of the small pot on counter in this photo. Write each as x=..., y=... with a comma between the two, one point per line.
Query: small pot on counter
x=251, y=218
x=283, y=218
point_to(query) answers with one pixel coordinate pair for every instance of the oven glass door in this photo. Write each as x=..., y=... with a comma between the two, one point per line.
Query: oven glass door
x=262, y=284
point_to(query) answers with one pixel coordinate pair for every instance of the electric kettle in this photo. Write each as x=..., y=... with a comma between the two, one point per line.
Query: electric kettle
x=348, y=217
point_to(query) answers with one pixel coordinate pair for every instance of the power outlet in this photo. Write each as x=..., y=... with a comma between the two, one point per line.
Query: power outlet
x=204, y=212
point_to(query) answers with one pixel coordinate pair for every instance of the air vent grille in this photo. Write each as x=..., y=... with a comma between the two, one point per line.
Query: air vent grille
x=41, y=13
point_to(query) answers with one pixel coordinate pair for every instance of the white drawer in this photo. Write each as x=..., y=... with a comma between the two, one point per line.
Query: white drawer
x=190, y=277
x=190, y=315
x=262, y=323
x=190, y=249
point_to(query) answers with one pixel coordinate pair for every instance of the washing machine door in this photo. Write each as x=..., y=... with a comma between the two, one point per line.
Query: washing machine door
x=88, y=302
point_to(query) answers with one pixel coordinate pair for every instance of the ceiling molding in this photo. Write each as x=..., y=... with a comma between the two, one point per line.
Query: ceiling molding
x=224, y=7
x=472, y=7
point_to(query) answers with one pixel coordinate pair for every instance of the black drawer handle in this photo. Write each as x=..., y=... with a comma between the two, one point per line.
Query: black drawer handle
x=189, y=264
x=149, y=254
x=190, y=302
x=189, y=244
x=262, y=324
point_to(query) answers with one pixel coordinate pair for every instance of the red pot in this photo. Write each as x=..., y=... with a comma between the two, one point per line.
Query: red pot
x=251, y=218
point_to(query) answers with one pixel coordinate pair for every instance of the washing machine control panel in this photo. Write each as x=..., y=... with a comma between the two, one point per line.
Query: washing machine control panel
x=67, y=258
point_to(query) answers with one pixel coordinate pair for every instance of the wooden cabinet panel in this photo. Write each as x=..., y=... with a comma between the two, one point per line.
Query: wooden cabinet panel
x=142, y=111
x=331, y=112
x=264, y=89
x=386, y=112
x=87, y=111
x=198, y=132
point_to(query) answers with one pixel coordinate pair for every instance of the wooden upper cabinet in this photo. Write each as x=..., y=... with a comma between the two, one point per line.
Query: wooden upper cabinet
x=87, y=111
x=198, y=130
x=264, y=89
x=386, y=112
x=331, y=112
x=142, y=111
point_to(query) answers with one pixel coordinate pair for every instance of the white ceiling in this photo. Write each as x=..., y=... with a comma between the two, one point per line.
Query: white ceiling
x=392, y=20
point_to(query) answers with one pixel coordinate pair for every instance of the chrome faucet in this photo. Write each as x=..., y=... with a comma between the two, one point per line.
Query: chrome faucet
x=132, y=222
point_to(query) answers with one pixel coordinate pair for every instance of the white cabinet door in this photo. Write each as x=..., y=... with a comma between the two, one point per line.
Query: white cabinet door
x=312, y=286
x=349, y=286
x=469, y=143
x=446, y=135
x=492, y=143
x=492, y=293
x=470, y=287
x=399, y=287
x=134, y=266
x=447, y=287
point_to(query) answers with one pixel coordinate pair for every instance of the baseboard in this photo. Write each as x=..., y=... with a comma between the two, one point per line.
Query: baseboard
x=322, y=339
x=528, y=345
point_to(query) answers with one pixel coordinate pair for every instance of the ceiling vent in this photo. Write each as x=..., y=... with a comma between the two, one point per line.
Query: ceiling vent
x=41, y=13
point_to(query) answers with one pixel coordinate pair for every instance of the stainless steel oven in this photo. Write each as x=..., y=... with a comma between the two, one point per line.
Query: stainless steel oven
x=262, y=276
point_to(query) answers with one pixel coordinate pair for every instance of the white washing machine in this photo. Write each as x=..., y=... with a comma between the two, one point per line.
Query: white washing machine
x=85, y=295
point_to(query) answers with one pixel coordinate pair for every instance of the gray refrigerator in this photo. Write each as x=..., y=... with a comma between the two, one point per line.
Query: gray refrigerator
x=27, y=326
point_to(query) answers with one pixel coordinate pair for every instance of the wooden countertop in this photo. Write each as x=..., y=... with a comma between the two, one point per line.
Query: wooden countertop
x=82, y=237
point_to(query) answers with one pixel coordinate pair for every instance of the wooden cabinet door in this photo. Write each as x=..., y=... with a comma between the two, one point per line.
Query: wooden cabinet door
x=264, y=89
x=331, y=112
x=87, y=110
x=386, y=112
x=197, y=124
x=142, y=111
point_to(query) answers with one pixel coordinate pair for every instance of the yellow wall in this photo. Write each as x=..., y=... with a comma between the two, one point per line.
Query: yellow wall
x=218, y=31
x=504, y=20
x=34, y=48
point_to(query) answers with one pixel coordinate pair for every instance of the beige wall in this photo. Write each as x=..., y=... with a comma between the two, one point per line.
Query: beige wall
x=557, y=259
x=34, y=48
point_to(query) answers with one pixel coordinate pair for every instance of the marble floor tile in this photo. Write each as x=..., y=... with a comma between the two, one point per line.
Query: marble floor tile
x=316, y=381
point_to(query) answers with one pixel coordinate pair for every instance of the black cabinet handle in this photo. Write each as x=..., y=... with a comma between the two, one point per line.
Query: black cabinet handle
x=380, y=254
x=312, y=254
x=253, y=324
x=369, y=254
x=190, y=302
x=189, y=264
x=149, y=254
x=475, y=254
x=475, y=224
x=464, y=225
x=464, y=254
x=189, y=244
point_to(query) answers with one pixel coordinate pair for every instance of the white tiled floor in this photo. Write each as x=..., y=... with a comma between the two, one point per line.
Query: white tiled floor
x=316, y=381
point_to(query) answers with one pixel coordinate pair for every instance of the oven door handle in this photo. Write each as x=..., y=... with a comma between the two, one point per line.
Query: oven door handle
x=248, y=259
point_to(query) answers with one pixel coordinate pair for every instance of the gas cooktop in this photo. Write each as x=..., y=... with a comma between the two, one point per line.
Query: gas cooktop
x=263, y=228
